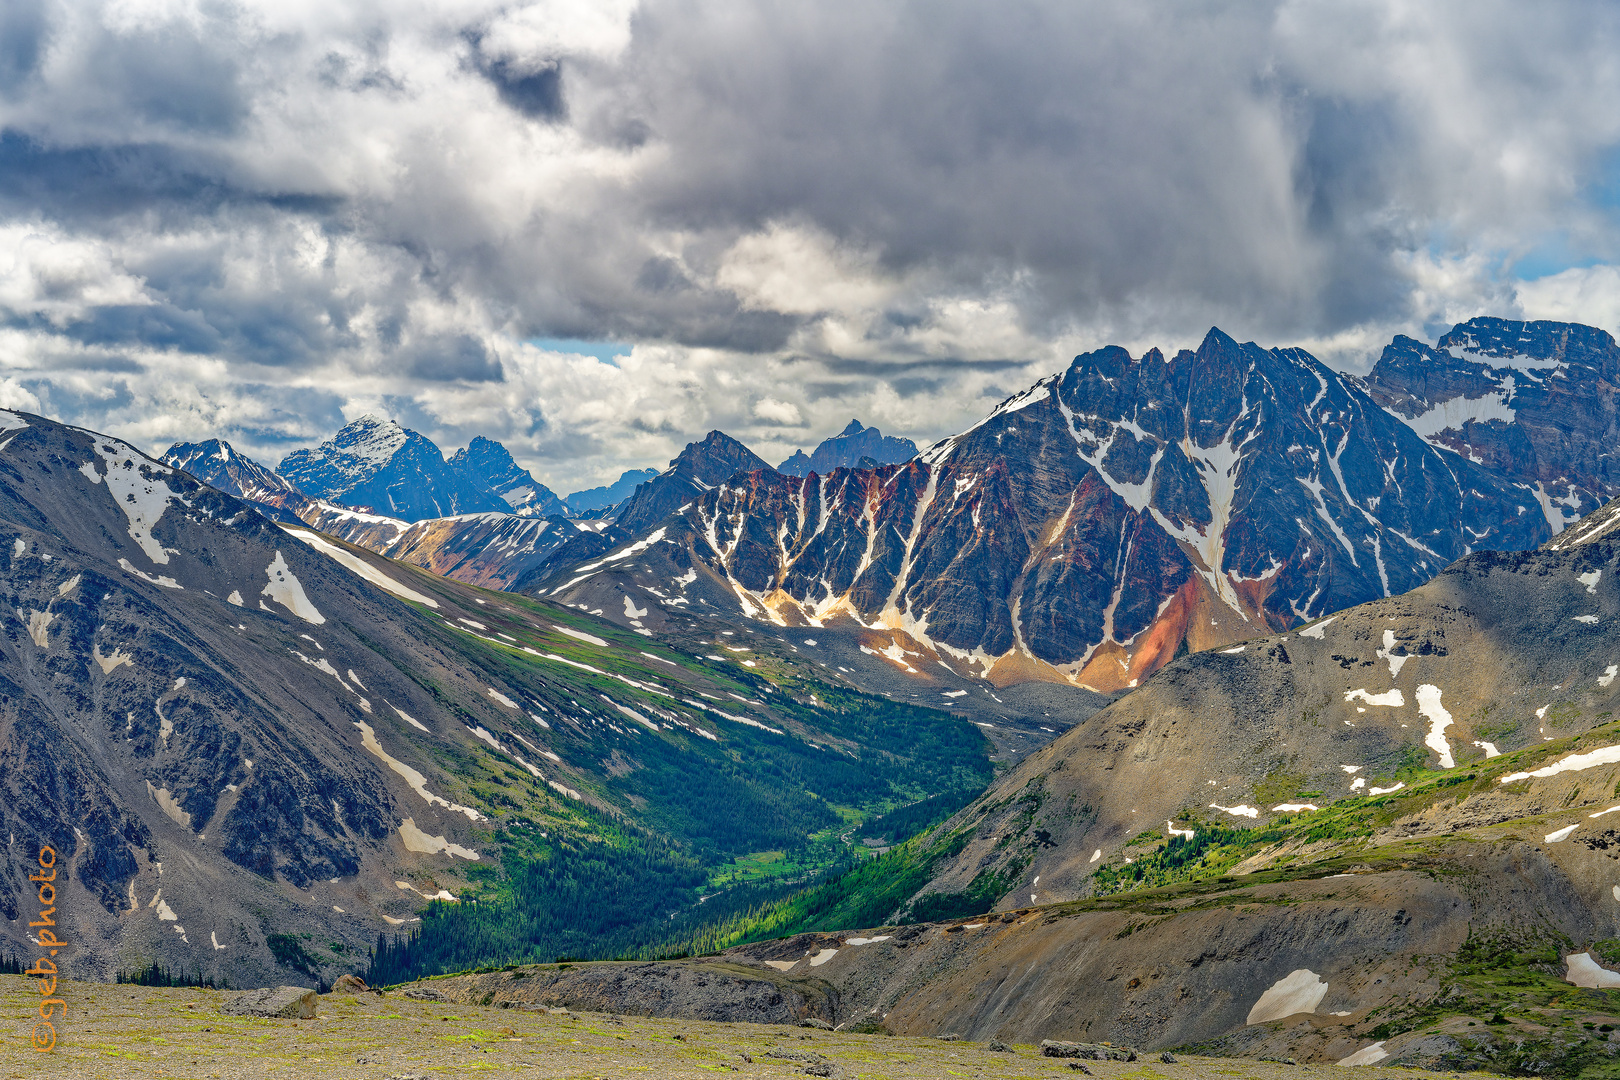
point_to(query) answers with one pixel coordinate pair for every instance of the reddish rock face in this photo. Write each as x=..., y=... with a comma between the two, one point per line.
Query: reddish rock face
x=1107, y=518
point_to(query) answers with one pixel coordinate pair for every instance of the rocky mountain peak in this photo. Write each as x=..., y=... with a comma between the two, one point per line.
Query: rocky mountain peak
x=700, y=467
x=1111, y=515
x=383, y=465
x=216, y=463
x=1530, y=400
x=848, y=449
x=486, y=462
x=371, y=438
x=716, y=459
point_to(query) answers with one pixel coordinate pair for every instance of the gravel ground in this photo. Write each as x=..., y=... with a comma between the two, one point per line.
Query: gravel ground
x=119, y=1032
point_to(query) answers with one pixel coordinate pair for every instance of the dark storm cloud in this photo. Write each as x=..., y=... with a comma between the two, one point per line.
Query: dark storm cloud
x=446, y=359
x=1101, y=156
x=95, y=183
x=390, y=200
x=155, y=325
x=1115, y=154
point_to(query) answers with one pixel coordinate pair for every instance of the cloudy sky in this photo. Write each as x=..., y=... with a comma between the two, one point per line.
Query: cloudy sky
x=595, y=229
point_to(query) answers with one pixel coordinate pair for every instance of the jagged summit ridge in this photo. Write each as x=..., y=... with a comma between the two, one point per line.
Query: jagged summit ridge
x=216, y=463
x=1535, y=401
x=1110, y=515
x=695, y=470
x=847, y=449
x=487, y=463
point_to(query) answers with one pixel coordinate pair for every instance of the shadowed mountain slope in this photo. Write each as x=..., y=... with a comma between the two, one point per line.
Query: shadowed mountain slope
x=486, y=463
x=1534, y=401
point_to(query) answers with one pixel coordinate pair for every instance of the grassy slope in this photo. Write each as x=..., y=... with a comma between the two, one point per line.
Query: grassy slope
x=1504, y=975
x=730, y=809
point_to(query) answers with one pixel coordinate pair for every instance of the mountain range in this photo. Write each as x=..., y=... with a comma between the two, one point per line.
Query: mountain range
x=1112, y=516
x=1093, y=526
x=609, y=495
x=1361, y=654
x=256, y=747
x=506, y=529
x=1382, y=837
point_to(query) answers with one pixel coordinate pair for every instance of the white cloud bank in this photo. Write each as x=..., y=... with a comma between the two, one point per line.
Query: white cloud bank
x=257, y=220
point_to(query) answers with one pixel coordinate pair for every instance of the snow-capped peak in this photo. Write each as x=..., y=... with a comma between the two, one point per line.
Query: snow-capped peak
x=371, y=439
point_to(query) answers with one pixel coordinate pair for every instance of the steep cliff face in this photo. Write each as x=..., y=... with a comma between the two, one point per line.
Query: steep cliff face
x=1532, y=401
x=1104, y=520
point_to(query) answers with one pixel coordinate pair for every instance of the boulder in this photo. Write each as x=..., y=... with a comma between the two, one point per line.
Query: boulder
x=288, y=1002
x=815, y=1022
x=350, y=984
x=803, y=1057
x=1093, y=1051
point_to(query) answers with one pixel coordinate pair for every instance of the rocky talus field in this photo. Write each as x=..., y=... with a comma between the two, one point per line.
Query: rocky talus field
x=118, y=1032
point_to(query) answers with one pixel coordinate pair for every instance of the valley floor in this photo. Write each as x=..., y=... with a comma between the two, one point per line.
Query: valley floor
x=118, y=1032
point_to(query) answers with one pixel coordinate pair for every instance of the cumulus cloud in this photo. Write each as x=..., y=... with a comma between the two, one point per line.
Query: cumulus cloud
x=257, y=220
x=772, y=411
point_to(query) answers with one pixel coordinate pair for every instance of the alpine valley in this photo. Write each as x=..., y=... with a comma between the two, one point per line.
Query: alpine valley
x=1221, y=701
x=255, y=747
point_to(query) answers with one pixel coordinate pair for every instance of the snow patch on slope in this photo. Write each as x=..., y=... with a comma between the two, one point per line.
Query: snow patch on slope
x=1300, y=991
x=141, y=490
x=1608, y=755
x=417, y=782
x=285, y=589
x=420, y=842
x=353, y=562
x=1428, y=702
